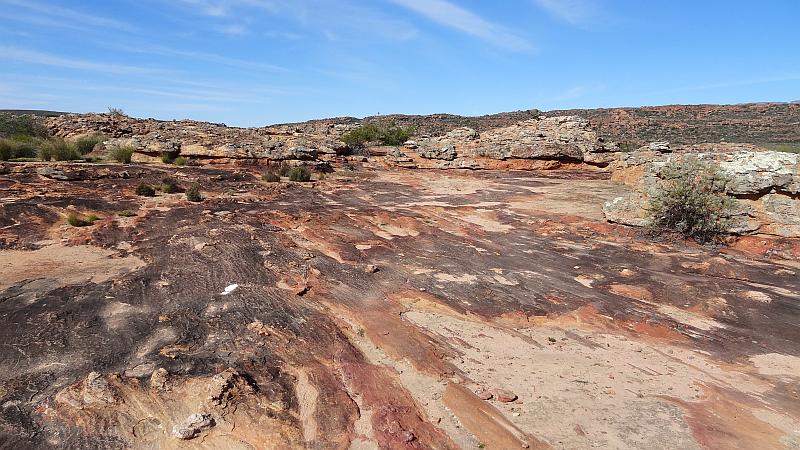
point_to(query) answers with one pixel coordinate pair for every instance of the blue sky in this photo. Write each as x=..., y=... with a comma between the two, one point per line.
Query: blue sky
x=255, y=62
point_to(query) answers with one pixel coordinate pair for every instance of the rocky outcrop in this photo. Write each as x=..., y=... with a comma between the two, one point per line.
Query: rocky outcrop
x=765, y=184
x=203, y=140
x=563, y=138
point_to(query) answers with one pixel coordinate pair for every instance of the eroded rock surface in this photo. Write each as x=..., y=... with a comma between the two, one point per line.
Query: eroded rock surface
x=573, y=332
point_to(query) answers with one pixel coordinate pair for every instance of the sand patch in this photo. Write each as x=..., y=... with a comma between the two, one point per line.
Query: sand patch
x=65, y=265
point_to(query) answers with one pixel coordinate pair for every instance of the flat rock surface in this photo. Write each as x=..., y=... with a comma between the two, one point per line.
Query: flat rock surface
x=127, y=333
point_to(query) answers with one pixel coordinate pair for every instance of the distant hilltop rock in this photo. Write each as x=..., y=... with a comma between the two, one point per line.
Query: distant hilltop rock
x=562, y=139
x=755, y=123
x=567, y=139
x=202, y=141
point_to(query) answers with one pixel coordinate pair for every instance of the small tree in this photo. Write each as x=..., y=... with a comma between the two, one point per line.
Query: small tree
x=692, y=199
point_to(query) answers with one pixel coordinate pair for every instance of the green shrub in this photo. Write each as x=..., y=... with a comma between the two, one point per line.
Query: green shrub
x=393, y=134
x=58, y=149
x=127, y=213
x=386, y=134
x=19, y=147
x=169, y=185
x=12, y=125
x=121, y=153
x=77, y=221
x=169, y=157
x=299, y=174
x=361, y=136
x=86, y=144
x=7, y=149
x=270, y=177
x=145, y=190
x=180, y=161
x=284, y=168
x=193, y=193
x=691, y=199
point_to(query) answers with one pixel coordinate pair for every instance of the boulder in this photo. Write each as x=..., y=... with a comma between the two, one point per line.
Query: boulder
x=446, y=152
x=566, y=138
x=192, y=426
x=659, y=146
x=765, y=185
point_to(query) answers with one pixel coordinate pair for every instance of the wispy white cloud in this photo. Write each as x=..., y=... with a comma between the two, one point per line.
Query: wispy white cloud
x=67, y=16
x=574, y=12
x=197, y=55
x=737, y=83
x=576, y=92
x=453, y=16
x=333, y=19
x=35, y=57
x=233, y=29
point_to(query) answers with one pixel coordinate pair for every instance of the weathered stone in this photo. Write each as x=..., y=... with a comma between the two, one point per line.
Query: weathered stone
x=630, y=209
x=503, y=395
x=659, y=146
x=446, y=152
x=192, y=426
x=159, y=379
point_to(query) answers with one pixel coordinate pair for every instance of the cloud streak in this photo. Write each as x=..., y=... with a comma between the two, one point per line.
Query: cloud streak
x=68, y=16
x=573, y=12
x=161, y=50
x=34, y=57
x=465, y=21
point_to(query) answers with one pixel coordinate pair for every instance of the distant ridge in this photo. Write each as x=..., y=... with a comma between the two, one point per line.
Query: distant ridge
x=33, y=112
x=756, y=123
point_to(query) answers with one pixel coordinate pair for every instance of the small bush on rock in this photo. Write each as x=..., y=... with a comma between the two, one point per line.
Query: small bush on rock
x=7, y=149
x=169, y=157
x=180, y=161
x=145, y=190
x=77, y=221
x=86, y=144
x=284, y=169
x=121, y=153
x=58, y=149
x=19, y=147
x=270, y=177
x=386, y=134
x=169, y=185
x=193, y=193
x=691, y=199
x=16, y=125
x=300, y=174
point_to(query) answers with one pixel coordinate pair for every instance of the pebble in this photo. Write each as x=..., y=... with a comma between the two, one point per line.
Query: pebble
x=503, y=395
